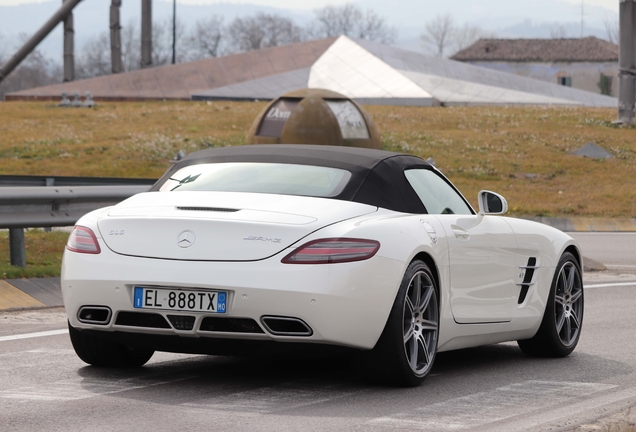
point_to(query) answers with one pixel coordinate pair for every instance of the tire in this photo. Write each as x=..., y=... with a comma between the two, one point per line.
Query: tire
x=99, y=352
x=560, y=328
x=405, y=352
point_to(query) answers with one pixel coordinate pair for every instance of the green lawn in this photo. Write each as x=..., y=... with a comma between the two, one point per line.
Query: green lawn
x=43, y=252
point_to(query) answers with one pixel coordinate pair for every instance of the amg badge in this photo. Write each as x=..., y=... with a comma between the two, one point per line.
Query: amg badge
x=265, y=239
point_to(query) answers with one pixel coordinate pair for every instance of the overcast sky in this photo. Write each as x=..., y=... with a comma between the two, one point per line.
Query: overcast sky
x=310, y=4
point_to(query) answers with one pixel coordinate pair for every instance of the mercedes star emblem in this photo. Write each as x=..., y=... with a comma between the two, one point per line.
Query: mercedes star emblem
x=186, y=239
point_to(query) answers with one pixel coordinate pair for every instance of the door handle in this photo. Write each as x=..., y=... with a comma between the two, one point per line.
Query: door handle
x=461, y=234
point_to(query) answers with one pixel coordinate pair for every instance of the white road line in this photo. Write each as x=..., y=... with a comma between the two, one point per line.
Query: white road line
x=87, y=387
x=33, y=335
x=614, y=284
x=268, y=400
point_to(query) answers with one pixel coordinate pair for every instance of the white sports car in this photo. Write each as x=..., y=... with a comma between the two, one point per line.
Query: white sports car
x=251, y=249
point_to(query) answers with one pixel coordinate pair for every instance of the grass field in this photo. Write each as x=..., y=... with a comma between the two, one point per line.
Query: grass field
x=44, y=254
x=520, y=152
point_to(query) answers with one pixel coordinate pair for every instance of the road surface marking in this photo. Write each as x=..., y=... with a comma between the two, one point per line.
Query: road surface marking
x=266, y=400
x=89, y=387
x=607, y=285
x=490, y=406
x=33, y=335
x=74, y=389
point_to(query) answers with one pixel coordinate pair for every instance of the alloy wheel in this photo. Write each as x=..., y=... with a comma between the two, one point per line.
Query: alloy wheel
x=420, y=323
x=568, y=308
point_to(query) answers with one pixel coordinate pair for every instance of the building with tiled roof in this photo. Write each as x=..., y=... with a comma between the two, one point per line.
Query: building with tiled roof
x=587, y=63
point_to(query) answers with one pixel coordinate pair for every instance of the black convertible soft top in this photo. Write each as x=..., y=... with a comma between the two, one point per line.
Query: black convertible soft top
x=377, y=176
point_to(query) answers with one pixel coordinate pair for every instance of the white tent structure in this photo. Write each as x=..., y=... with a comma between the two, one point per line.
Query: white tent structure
x=379, y=74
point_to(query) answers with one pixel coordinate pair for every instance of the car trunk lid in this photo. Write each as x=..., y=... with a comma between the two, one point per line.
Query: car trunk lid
x=218, y=226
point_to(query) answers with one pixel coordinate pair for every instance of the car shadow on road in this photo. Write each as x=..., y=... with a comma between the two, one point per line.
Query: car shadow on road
x=500, y=363
x=278, y=384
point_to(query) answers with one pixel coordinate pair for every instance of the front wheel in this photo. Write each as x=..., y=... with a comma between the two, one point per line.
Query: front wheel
x=99, y=352
x=406, y=350
x=563, y=317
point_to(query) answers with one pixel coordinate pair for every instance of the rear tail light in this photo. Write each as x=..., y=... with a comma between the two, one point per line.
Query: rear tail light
x=333, y=250
x=83, y=240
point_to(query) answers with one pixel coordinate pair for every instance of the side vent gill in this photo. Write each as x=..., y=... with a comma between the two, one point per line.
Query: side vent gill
x=527, y=279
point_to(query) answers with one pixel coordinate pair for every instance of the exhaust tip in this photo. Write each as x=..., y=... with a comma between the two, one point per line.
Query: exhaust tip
x=286, y=326
x=99, y=315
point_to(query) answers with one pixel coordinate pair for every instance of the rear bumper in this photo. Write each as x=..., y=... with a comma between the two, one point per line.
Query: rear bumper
x=219, y=346
x=343, y=304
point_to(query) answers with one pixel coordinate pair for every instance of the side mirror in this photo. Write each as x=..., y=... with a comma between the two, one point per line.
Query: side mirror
x=492, y=203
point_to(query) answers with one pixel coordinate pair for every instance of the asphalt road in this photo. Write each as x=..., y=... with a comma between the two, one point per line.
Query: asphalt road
x=44, y=386
x=613, y=250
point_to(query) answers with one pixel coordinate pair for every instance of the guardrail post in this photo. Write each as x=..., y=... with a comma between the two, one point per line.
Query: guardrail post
x=50, y=181
x=626, y=61
x=17, y=247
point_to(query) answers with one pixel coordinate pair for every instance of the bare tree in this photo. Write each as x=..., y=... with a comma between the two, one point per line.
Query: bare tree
x=207, y=38
x=558, y=31
x=3, y=52
x=438, y=34
x=130, y=46
x=263, y=31
x=466, y=35
x=162, y=42
x=335, y=21
x=442, y=38
x=374, y=28
x=94, y=58
x=351, y=20
x=612, y=30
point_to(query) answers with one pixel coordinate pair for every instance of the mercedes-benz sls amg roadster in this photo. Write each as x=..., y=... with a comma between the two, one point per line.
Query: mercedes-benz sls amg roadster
x=268, y=248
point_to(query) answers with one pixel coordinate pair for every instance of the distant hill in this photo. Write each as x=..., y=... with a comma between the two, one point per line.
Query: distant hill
x=497, y=14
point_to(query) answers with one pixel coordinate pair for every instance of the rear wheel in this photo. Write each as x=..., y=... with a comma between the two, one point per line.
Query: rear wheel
x=405, y=353
x=99, y=352
x=561, y=326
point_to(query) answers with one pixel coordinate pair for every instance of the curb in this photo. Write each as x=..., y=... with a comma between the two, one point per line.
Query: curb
x=20, y=294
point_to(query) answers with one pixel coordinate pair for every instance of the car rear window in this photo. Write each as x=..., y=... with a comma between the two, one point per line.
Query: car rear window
x=285, y=179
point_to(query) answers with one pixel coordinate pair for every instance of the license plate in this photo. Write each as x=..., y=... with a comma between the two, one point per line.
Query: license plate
x=181, y=300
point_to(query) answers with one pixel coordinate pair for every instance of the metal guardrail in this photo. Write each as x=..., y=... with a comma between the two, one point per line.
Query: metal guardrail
x=22, y=180
x=52, y=206
x=45, y=206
